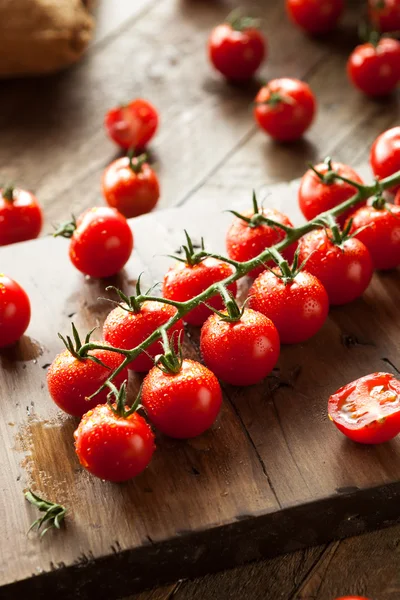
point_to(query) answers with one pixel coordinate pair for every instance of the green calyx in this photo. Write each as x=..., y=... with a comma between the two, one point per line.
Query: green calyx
x=8, y=192
x=78, y=349
x=131, y=303
x=258, y=218
x=239, y=22
x=193, y=255
x=136, y=162
x=287, y=272
x=170, y=362
x=66, y=230
x=53, y=513
x=233, y=312
x=117, y=401
x=379, y=203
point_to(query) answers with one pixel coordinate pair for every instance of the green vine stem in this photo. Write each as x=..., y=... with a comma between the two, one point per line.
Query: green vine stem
x=241, y=269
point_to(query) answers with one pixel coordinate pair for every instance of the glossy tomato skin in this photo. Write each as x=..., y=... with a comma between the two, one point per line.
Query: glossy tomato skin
x=132, y=125
x=385, y=155
x=344, y=271
x=368, y=410
x=182, y=405
x=315, y=16
x=287, y=120
x=111, y=447
x=102, y=242
x=385, y=14
x=20, y=218
x=375, y=70
x=297, y=309
x=316, y=197
x=70, y=380
x=242, y=352
x=381, y=234
x=182, y=282
x=15, y=311
x=236, y=54
x=132, y=194
x=244, y=242
x=125, y=329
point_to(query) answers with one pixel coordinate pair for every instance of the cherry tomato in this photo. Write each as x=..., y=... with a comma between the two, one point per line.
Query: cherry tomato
x=182, y=282
x=15, y=311
x=345, y=270
x=131, y=187
x=317, y=196
x=237, y=49
x=285, y=109
x=132, y=125
x=385, y=155
x=20, y=216
x=111, y=447
x=71, y=380
x=101, y=243
x=381, y=234
x=385, y=14
x=127, y=329
x=298, y=308
x=375, y=70
x=241, y=352
x=315, y=16
x=368, y=409
x=244, y=242
x=185, y=404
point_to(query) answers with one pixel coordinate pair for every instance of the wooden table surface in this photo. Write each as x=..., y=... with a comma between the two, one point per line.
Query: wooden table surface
x=208, y=145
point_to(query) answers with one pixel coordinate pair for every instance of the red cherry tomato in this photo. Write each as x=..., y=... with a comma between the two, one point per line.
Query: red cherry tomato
x=298, y=308
x=345, y=270
x=375, y=70
x=285, y=109
x=244, y=242
x=385, y=155
x=15, y=311
x=315, y=16
x=20, y=216
x=368, y=409
x=381, y=234
x=182, y=282
x=111, y=447
x=237, y=50
x=132, y=125
x=385, y=14
x=126, y=329
x=241, y=352
x=133, y=190
x=101, y=243
x=317, y=196
x=71, y=380
x=185, y=404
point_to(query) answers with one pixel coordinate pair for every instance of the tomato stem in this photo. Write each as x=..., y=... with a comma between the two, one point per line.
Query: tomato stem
x=8, y=192
x=136, y=162
x=53, y=513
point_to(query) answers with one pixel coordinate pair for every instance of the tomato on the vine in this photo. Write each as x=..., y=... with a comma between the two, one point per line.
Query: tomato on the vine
x=131, y=186
x=237, y=48
x=384, y=14
x=243, y=351
x=375, y=69
x=20, y=216
x=315, y=16
x=132, y=125
x=385, y=155
x=183, y=404
x=368, y=410
x=15, y=311
x=285, y=108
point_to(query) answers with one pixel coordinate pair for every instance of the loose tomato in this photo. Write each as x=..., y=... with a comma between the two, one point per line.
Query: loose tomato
x=285, y=109
x=245, y=241
x=385, y=155
x=375, y=70
x=184, y=404
x=368, y=409
x=237, y=48
x=241, y=352
x=315, y=16
x=15, y=311
x=131, y=186
x=345, y=270
x=20, y=216
x=183, y=281
x=132, y=125
x=385, y=14
x=316, y=194
x=298, y=308
x=380, y=233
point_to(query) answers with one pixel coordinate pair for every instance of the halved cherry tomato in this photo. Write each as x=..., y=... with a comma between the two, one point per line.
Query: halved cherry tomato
x=20, y=216
x=132, y=125
x=375, y=70
x=368, y=409
x=315, y=16
x=15, y=311
x=385, y=14
x=385, y=155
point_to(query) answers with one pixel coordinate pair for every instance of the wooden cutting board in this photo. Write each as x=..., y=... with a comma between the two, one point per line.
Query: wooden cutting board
x=271, y=476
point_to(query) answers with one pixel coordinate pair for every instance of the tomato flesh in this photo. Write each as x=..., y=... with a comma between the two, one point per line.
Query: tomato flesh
x=132, y=125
